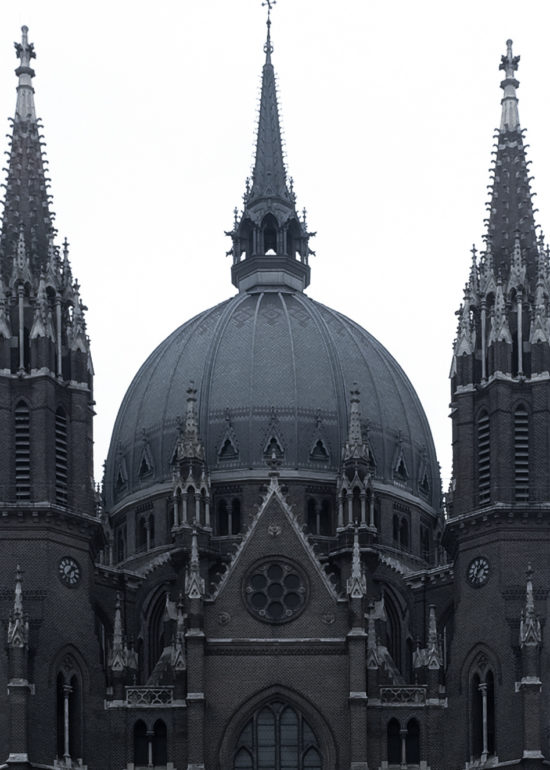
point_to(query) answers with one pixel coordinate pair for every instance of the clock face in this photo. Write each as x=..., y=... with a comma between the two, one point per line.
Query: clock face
x=478, y=571
x=69, y=571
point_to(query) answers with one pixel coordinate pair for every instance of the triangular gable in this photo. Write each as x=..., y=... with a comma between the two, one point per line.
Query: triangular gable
x=400, y=470
x=228, y=446
x=275, y=497
x=273, y=445
x=319, y=449
x=146, y=466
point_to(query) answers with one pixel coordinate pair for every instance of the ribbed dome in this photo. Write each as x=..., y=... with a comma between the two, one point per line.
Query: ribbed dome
x=270, y=364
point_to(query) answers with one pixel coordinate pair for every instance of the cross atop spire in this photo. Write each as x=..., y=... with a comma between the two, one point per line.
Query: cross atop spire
x=268, y=48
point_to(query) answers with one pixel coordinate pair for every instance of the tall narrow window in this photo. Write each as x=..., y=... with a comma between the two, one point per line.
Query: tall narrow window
x=277, y=738
x=521, y=454
x=482, y=713
x=160, y=743
x=412, y=742
x=22, y=452
x=61, y=456
x=69, y=712
x=394, y=742
x=484, y=458
x=141, y=748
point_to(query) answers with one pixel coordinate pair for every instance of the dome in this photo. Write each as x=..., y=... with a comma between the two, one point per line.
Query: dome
x=270, y=366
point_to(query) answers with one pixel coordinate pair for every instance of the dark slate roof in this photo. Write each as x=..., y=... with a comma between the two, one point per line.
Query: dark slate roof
x=269, y=363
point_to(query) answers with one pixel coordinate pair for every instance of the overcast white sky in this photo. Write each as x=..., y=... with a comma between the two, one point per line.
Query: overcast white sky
x=388, y=109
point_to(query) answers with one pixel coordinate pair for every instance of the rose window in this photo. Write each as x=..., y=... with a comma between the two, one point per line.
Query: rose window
x=275, y=591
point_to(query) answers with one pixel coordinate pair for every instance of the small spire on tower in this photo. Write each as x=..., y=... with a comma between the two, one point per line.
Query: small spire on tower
x=357, y=584
x=530, y=629
x=117, y=658
x=18, y=625
x=194, y=583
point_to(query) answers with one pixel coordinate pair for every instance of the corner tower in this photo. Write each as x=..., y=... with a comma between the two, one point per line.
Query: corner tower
x=499, y=505
x=49, y=528
x=45, y=366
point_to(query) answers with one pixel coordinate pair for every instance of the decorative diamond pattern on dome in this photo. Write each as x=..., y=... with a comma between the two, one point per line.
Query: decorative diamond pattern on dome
x=262, y=350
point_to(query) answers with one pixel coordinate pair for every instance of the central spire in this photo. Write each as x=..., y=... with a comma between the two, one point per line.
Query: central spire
x=270, y=242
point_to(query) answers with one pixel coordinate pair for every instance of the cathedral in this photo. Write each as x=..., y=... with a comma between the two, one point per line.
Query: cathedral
x=269, y=577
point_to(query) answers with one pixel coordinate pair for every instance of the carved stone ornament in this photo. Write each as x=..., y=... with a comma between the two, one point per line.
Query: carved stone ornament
x=328, y=618
x=224, y=618
x=274, y=530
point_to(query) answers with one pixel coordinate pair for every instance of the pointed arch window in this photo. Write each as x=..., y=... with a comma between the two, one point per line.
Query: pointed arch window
x=61, y=457
x=269, y=233
x=484, y=458
x=69, y=711
x=277, y=738
x=394, y=742
x=482, y=713
x=273, y=450
x=319, y=452
x=22, y=452
x=521, y=454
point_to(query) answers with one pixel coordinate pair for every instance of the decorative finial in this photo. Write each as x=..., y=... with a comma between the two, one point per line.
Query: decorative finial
x=509, y=62
x=24, y=50
x=530, y=629
x=268, y=48
x=356, y=585
x=510, y=116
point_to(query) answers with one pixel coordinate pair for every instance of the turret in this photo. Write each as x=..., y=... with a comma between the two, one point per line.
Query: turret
x=191, y=482
x=354, y=486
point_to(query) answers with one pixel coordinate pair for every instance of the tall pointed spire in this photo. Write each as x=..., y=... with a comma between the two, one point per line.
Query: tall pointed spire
x=269, y=175
x=270, y=241
x=27, y=201
x=511, y=218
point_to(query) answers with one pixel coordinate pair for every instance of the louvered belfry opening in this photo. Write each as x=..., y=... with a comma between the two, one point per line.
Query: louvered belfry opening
x=521, y=455
x=61, y=457
x=484, y=459
x=22, y=452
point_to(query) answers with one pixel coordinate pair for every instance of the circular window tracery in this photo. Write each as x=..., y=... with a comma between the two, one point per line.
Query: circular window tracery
x=275, y=591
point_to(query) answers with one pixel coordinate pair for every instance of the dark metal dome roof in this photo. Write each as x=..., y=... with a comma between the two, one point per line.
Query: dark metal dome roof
x=270, y=364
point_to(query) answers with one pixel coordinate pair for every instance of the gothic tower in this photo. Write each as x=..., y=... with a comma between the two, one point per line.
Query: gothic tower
x=498, y=502
x=49, y=530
